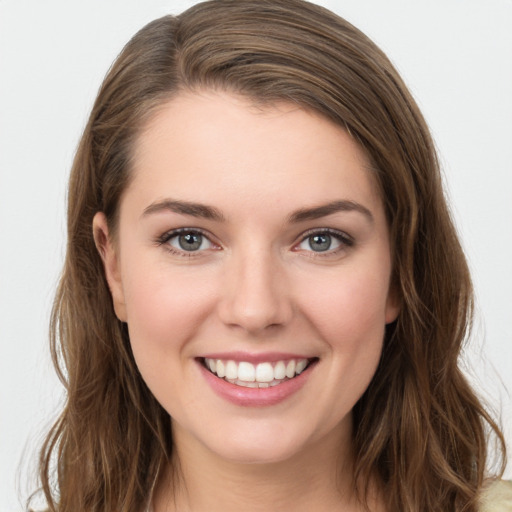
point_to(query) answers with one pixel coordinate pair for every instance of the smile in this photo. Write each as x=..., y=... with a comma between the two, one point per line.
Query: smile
x=261, y=375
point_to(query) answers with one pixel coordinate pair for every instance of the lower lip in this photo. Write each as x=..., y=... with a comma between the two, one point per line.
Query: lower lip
x=256, y=397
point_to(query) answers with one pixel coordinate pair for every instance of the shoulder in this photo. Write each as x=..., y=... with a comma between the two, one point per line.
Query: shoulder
x=497, y=497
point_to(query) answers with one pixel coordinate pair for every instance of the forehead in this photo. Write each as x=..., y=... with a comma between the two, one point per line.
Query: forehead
x=209, y=145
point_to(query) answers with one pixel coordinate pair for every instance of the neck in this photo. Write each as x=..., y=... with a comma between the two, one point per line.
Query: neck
x=319, y=478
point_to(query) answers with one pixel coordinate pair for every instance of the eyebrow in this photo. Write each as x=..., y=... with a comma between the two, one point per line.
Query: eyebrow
x=209, y=212
x=185, y=208
x=318, y=212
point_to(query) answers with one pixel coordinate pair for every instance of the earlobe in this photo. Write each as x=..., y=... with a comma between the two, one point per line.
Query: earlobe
x=393, y=305
x=107, y=251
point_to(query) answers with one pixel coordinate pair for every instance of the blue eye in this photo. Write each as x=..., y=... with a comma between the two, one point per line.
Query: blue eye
x=189, y=241
x=319, y=243
x=325, y=241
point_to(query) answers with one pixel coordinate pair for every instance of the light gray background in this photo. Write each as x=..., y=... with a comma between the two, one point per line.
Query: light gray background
x=456, y=56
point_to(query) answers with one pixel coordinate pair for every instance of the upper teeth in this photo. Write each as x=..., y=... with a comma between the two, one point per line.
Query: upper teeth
x=262, y=372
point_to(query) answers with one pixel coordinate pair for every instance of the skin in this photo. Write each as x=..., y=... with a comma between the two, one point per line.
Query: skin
x=255, y=285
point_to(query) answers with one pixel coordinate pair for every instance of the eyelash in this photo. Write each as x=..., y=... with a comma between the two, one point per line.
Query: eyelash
x=345, y=240
x=169, y=235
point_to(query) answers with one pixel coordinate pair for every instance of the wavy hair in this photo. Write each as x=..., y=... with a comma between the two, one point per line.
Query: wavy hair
x=419, y=428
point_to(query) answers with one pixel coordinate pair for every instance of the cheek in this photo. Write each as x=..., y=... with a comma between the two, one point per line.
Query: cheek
x=349, y=303
x=349, y=313
x=164, y=309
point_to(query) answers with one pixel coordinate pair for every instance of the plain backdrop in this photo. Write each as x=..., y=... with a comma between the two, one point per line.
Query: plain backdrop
x=456, y=56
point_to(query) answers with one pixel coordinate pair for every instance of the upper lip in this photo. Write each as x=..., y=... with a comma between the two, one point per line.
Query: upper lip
x=255, y=358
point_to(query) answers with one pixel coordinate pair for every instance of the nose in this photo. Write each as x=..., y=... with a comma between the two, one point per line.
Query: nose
x=255, y=295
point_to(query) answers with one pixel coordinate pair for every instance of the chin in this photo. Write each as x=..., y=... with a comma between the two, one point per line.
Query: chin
x=258, y=455
x=266, y=443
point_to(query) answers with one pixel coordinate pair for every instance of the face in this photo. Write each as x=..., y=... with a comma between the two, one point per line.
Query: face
x=252, y=266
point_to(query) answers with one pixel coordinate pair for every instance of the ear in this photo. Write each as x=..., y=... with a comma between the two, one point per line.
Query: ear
x=393, y=304
x=111, y=264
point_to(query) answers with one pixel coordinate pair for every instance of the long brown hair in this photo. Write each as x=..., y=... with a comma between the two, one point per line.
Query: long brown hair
x=419, y=428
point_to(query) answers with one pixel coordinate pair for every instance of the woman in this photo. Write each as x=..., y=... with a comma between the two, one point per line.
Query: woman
x=264, y=297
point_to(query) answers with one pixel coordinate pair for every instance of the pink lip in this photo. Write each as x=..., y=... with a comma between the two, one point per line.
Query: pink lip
x=255, y=397
x=270, y=357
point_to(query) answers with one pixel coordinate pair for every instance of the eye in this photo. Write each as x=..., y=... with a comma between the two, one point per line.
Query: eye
x=326, y=241
x=186, y=240
x=319, y=242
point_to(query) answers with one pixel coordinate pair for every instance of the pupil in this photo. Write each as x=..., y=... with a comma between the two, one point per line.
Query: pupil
x=320, y=243
x=190, y=241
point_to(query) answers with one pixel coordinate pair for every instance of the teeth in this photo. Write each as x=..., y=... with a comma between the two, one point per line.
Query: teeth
x=279, y=370
x=299, y=368
x=290, y=369
x=221, y=371
x=246, y=372
x=231, y=370
x=262, y=375
x=264, y=372
x=254, y=384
